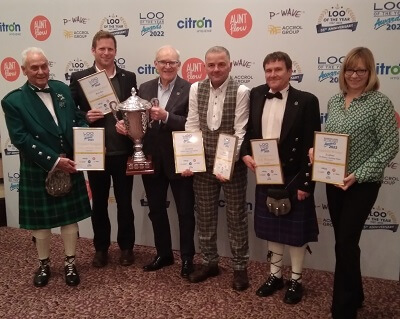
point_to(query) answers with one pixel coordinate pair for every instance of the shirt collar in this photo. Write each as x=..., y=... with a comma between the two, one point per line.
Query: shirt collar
x=169, y=86
x=98, y=70
x=284, y=92
x=222, y=87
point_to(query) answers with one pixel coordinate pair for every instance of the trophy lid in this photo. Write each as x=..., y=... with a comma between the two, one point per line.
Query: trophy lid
x=134, y=103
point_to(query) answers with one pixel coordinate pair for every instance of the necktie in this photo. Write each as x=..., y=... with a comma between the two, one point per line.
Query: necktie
x=270, y=95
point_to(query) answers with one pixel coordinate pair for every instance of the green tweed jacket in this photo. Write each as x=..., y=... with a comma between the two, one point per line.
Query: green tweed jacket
x=40, y=141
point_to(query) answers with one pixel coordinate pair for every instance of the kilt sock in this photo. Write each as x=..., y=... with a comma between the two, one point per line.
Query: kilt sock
x=42, y=242
x=69, y=234
x=276, y=251
x=297, y=260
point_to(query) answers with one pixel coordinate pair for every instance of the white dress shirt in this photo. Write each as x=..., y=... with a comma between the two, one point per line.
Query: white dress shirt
x=215, y=108
x=272, y=116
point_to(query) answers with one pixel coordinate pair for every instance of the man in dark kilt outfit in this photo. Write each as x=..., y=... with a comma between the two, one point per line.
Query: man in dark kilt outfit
x=40, y=116
x=277, y=110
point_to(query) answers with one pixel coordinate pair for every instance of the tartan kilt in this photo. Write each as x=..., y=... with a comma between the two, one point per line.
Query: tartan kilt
x=39, y=210
x=296, y=228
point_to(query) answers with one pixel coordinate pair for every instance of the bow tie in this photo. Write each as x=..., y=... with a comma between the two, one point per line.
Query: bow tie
x=45, y=90
x=270, y=95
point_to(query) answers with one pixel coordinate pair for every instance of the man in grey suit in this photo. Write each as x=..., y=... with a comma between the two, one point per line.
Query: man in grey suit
x=172, y=93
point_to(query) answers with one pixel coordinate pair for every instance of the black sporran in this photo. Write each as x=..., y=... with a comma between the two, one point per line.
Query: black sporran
x=278, y=201
x=58, y=183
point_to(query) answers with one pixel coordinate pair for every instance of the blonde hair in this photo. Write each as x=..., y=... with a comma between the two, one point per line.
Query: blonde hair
x=351, y=60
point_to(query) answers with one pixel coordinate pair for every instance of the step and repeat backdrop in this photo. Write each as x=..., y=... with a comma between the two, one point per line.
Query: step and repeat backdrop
x=316, y=34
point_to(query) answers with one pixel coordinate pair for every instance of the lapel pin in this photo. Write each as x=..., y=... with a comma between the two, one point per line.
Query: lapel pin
x=178, y=93
x=296, y=103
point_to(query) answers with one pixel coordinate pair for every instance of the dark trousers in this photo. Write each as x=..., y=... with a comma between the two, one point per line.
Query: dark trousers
x=349, y=210
x=100, y=182
x=156, y=187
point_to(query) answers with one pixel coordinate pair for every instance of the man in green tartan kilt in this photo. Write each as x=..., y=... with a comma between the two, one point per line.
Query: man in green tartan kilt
x=40, y=116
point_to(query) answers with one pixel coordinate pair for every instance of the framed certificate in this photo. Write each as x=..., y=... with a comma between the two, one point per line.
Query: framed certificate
x=330, y=157
x=188, y=151
x=98, y=91
x=225, y=155
x=89, y=148
x=266, y=156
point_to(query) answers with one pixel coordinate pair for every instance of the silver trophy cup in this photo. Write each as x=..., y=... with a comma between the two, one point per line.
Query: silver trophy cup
x=135, y=113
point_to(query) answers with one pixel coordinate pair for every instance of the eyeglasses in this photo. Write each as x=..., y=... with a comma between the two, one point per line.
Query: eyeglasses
x=350, y=72
x=170, y=63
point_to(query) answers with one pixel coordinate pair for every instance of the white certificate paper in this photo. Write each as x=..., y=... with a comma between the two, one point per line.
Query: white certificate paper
x=99, y=91
x=189, y=151
x=266, y=156
x=224, y=162
x=330, y=158
x=89, y=148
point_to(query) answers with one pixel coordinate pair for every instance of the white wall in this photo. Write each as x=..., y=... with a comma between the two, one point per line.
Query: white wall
x=262, y=27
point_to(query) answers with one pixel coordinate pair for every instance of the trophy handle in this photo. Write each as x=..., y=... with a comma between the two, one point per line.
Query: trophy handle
x=114, y=109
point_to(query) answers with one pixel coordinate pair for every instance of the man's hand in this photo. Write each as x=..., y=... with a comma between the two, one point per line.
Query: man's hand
x=187, y=173
x=66, y=165
x=302, y=195
x=221, y=179
x=311, y=155
x=158, y=113
x=121, y=128
x=249, y=161
x=94, y=115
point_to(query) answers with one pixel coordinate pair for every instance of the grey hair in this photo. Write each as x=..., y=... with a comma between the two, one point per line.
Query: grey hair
x=29, y=50
x=168, y=47
x=218, y=49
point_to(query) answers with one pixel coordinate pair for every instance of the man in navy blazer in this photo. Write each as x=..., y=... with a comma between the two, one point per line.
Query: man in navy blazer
x=118, y=150
x=279, y=111
x=172, y=93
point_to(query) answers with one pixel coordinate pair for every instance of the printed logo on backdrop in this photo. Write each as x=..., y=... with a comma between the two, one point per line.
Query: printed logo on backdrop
x=75, y=21
x=199, y=24
x=40, y=28
x=151, y=24
x=115, y=24
x=378, y=219
x=323, y=117
x=10, y=149
x=249, y=205
x=147, y=69
x=387, y=16
x=13, y=179
x=74, y=66
x=193, y=70
x=242, y=67
x=10, y=28
x=390, y=177
x=284, y=15
x=297, y=75
x=10, y=69
x=335, y=19
x=329, y=68
x=391, y=70
x=120, y=62
x=238, y=23
x=144, y=202
x=52, y=75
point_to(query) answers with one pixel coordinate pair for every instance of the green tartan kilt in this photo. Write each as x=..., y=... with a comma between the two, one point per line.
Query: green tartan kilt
x=39, y=210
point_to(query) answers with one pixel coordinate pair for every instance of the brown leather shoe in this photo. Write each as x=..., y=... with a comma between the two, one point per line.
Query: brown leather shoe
x=127, y=258
x=240, y=280
x=100, y=259
x=203, y=272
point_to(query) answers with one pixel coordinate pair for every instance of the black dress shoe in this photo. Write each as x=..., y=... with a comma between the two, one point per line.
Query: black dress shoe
x=158, y=263
x=240, y=280
x=100, y=259
x=42, y=275
x=294, y=293
x=187, y=268
x=126, y=258
x=203, y=272
x=270, y=286
x=71, y=275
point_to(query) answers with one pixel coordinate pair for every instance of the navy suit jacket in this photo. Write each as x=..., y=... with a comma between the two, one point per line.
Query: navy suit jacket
x=158, y=139
x=300, y=120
